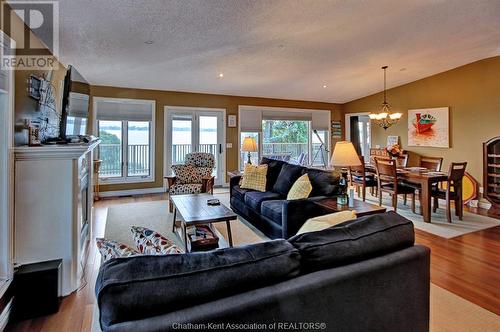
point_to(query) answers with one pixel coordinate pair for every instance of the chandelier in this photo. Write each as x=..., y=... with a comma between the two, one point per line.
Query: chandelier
x=385, y=118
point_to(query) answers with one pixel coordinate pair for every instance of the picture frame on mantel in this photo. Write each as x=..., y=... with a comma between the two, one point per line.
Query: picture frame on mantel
x=429, y=127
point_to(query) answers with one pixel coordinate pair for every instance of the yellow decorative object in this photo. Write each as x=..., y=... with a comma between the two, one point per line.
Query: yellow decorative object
x=323, y=222
x=469, y=188
x=300, y=189
x=254, y=177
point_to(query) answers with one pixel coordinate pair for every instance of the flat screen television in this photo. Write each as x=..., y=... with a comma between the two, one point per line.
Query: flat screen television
x=75, y=105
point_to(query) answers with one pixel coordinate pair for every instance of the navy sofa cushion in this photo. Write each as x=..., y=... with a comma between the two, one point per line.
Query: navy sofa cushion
x=273, y=210
x=324, y=183
x=273, y=170
x=255, y=198
x=145, y=286
x=239, y=192
x=354, y=241
x=288, y=175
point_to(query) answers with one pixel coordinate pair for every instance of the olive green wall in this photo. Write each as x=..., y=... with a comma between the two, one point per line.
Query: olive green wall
x=472, y=92
x=230, y=103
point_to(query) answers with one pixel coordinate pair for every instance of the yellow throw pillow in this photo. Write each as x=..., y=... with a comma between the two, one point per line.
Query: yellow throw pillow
x=300, y=189
x=326, y=221
x=254, y=177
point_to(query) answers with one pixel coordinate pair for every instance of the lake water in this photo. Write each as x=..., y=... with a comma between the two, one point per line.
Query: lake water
x=179, y=137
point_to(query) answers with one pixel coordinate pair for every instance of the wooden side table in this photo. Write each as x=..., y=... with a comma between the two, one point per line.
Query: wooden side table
x=361, y=208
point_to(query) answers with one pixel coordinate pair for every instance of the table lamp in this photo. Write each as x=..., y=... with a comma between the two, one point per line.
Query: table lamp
x=344, y=155
x=249, y=145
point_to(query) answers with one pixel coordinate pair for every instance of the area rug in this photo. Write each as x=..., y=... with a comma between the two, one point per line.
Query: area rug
x=439, y=225
x=155, y=215
x=451, y=313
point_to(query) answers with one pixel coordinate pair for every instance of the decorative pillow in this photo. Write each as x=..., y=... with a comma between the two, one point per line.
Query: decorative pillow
x=324, y=183
x=300, y=189
x=149, y=242
x=288, y=175
x=273, y=171
x=254, y=177
x=326, y=221
x=186, y=174
x=111, y=249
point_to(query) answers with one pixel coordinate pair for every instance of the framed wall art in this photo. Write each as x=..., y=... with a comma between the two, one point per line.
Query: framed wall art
x=429, y=127
x=231, y=121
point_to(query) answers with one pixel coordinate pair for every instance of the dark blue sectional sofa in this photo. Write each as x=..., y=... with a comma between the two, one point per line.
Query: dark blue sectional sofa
x=269, y=211
x=363, y=275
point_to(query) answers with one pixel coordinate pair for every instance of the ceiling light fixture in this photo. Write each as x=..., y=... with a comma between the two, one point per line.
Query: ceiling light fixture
x=385, y=118
x=148, y=42
x=325, y=86
x=221, y=75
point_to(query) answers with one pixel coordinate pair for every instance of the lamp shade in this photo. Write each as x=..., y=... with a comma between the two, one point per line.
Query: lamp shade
x=249, y=145
x=344, y=155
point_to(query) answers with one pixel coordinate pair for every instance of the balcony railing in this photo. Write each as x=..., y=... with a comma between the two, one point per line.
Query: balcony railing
x=138, y=163
x=111, y=156
x=287, y=151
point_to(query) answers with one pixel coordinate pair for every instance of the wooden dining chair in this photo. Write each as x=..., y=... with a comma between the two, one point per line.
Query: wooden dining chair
x=402, y=160
x=453, y=191
x=387, y=181
x=361, y=179
x=431, y=163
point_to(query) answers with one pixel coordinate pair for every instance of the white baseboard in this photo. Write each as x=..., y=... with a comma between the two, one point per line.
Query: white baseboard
x=5, y=315
x=130, y=192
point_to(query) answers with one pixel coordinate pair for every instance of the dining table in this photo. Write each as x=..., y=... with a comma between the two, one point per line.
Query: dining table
x=421, y=176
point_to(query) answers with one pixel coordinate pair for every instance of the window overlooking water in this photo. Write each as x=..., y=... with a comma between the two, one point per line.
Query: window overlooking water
x=127, y=141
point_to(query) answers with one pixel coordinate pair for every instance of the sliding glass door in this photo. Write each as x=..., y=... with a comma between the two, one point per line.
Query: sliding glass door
x=195, y=130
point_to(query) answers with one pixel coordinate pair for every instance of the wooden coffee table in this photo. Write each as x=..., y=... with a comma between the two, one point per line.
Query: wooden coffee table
x=194, y=210
x=361, y=208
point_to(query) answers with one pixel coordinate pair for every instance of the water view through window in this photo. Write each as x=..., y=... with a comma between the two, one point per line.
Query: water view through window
x=138, y=148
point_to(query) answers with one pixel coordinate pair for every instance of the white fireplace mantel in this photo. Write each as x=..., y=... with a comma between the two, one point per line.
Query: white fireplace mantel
x=64, y=151
x=53, y=207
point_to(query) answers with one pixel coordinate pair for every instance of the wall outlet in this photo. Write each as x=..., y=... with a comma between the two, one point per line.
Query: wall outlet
x=481, y=190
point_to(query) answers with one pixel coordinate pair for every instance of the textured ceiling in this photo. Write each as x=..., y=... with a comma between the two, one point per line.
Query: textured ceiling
x=280, y=48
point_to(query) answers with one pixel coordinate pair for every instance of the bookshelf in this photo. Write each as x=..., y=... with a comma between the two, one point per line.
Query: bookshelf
x=491, y=166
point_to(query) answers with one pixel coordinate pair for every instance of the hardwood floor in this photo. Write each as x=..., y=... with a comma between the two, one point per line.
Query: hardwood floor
x=468, y=266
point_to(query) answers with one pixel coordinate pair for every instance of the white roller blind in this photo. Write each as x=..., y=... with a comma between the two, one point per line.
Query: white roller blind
x=119, y=110
x=320, y=120
x=251, y=120
x=78, y=105
x=286, y=115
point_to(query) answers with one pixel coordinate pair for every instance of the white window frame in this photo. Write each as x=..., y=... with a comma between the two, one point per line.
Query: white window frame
x=7, y=203
x=95, y=128
x=242, y=108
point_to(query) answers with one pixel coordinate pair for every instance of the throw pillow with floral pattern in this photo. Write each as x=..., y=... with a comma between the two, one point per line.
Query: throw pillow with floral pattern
x=110, y=249
x=150, y=242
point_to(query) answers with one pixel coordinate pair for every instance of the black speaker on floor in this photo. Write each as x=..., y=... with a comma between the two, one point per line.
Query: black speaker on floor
x=36, y=288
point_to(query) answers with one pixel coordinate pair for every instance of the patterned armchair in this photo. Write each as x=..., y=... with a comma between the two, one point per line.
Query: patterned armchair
x=193, y=177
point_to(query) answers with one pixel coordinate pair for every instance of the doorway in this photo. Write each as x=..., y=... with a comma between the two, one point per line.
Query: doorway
x=358, y=131
x=193, y=129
